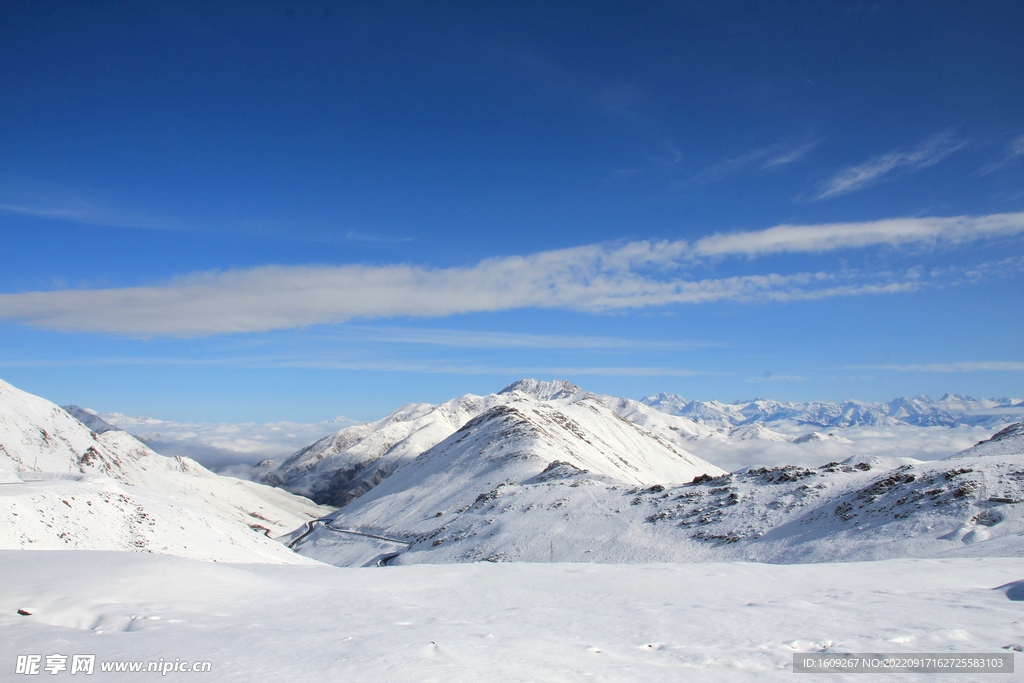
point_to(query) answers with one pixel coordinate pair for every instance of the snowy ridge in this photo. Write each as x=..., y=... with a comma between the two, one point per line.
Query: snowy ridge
x=90, y=418
x=544, y=391
x=523, y=441
x=760, y=432
x=962, y=506
x=339, y=468
x=63, y=485
x=1007, y=441
x=818, y=436
x=343, y=466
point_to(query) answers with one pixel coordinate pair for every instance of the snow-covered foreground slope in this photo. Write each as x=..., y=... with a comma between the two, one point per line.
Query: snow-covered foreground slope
x=966, y=505
x=340, y=468
x=88, y=512
x=499, y=622
x=63, y=485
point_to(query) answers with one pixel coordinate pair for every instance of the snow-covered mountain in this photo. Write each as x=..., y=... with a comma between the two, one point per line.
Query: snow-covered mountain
x=951, y=410
x=818, y=436
x=343, y=466
x=472, y=497
x=758, y=431
x=522, y=441
x=554, y=481
x=539, y=471
x=64, y=485
x=90, y=418
x=1008, y=441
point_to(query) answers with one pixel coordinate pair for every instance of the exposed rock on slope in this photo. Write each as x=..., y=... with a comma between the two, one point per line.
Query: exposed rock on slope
x=1006, y=442
x=441, y=504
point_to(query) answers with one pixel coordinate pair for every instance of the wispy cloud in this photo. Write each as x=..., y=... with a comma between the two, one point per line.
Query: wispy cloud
x=276, y=297
x=48, y=201
x=928, y=153
x=966, y=366
x=831, y=236
x=593, y=278
x=117, y=218
x=94, y=216
x=511, y=371
x=776, y=378
x=506, y=340
x=762, y=158
x=320, y=363
x=1013, y=152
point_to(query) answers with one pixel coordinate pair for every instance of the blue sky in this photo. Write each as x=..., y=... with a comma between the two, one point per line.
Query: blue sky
x=297, y=210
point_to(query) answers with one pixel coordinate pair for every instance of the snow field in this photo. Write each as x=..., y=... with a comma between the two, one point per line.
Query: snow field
x=502, y=622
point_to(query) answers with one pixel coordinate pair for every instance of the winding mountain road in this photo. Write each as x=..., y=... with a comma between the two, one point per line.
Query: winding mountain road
x=382, y=562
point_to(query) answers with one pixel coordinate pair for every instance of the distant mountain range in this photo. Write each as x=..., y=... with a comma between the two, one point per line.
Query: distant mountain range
x=951, y=410
x=221, y=445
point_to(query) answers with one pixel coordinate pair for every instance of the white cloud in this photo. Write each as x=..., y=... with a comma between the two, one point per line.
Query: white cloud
x=1014, y=151
x=966, y=366
x=923, y=443
x=94, y=215
x=776, y=378
x=764, y=158
x=277, y=297
x=782, y=156
x=320, y=362
x=1017, y=146
x=511, y=371
x=592, y=278
x=831, y=236
x=928, y=153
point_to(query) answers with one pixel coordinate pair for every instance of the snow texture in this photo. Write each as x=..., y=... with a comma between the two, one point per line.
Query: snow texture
x=342, y=467
x=487, y=622
x=544, y=482
x=451, y=510
x=63, y=486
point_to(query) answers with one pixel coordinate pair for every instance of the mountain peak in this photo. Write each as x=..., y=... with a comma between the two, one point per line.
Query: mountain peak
x=948, y=398
x=90, y=419
x=543, y=391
